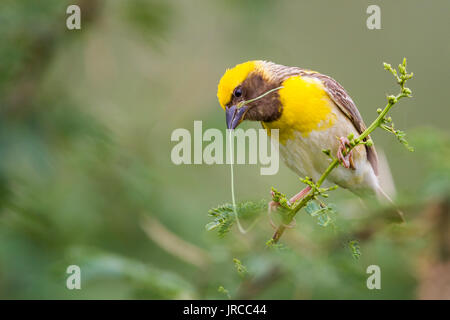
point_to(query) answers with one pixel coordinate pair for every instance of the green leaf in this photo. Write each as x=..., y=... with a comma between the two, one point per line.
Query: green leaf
x=401, y=138
x=324, y=214
x=212, y=225
x=221, y=289
x=224, y=216
x=355, y=249
x=241, y=269
x=312, y=207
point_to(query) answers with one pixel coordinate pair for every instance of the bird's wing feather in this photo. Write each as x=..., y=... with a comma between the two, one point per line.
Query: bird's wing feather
x=341, y=98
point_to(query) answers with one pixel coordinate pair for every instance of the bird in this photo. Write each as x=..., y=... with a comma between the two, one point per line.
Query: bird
x=312, y=112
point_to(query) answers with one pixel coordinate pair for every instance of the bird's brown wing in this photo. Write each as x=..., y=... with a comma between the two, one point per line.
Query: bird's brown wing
x=341, y=98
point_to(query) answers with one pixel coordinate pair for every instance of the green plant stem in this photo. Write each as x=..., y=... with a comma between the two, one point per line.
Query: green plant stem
x=335, y=163
x=377, y=122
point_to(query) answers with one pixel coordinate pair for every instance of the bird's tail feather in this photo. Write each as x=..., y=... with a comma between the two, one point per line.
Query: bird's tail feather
x=384, y=174
x=383, y=196
x=386, y=187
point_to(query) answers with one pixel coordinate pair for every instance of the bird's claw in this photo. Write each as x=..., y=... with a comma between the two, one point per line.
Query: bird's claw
x=346, y=159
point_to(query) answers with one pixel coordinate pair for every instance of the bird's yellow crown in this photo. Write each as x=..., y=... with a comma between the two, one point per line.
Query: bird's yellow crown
x=231, y=79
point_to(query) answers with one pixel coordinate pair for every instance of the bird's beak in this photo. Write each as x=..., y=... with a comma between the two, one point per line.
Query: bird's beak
x=235, y=116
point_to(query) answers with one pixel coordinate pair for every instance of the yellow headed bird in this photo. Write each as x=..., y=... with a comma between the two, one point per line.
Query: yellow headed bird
x=312, y=112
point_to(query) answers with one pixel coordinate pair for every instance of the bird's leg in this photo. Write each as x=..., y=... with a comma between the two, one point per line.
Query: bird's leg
x=346, y=159
x=273, y=205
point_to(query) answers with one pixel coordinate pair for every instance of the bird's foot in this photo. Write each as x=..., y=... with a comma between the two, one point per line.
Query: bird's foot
x=346, y=159
x=273, y=206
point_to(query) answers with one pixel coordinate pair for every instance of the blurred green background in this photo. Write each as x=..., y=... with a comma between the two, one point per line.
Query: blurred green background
x=85, y=170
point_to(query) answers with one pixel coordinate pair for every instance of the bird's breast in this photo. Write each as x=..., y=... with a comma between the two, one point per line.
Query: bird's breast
x=306, y=107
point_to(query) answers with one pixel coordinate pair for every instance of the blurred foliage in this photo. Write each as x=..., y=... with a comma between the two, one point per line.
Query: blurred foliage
x=85, y=124
x=151, y=18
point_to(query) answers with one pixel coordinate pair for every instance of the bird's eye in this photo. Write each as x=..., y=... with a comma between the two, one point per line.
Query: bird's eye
x=237, y=92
